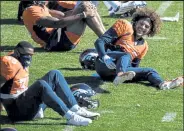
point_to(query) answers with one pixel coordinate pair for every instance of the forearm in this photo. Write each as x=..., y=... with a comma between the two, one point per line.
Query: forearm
x=100, y=47
x=57, y=14
x=60, y=23
x=108, y=38
x=68, y=13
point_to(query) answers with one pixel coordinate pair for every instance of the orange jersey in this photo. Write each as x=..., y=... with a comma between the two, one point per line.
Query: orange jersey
x=30, y=16
x=11, y=68
x=67, y=4
x=125, y=31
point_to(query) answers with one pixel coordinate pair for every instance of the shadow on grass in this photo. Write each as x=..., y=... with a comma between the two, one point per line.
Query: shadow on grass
x=93, y=82
x=145, y=83
x=71, y=69
x=6, y=48
x=10, y=22
x=5, y=120
x=114, y=17
x=52, y=118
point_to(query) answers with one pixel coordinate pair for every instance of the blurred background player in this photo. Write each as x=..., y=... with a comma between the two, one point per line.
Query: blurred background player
x=123, y=8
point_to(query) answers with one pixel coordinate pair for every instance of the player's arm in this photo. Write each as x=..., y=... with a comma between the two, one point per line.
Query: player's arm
x=57, y=14
x=2, y=81
x=53, y=22
x=109, y=37
x=136, y=62
x=68, y=13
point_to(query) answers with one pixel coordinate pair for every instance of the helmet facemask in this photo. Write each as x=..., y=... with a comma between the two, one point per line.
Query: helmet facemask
x=23, y=52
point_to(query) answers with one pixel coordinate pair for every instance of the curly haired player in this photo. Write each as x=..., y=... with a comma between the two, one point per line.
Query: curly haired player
x=125, y=40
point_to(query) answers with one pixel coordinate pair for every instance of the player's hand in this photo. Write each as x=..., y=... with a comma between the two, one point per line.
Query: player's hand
x=89, y=14
x=109, y=62
x=88, y=9
x=89, y=6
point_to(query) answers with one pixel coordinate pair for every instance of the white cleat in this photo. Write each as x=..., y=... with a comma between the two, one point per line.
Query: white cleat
x=39, y=114
x=130, y=5
x=85, y=113
x=171, y=84
x=77, y=120
x=124, y=77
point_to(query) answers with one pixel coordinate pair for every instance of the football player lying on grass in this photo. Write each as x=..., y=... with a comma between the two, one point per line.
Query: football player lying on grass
x=22, y=102
x=60, y=31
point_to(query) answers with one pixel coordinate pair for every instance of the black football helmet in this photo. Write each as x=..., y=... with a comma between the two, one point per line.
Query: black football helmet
x=87, y=59
x=83, y=93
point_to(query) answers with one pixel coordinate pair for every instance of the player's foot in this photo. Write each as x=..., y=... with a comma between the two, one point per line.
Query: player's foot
x=124, y=77
x=85, y=113
x=171, y=84
x=79, y=120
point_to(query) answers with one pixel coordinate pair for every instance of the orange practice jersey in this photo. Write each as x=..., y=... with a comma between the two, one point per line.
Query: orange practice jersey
x=11, y=68
x=30, y=16
x=71, y=36
x=67, y=4
x=125, y=31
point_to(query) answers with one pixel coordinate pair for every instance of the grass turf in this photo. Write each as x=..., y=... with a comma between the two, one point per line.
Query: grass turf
x=120, y=110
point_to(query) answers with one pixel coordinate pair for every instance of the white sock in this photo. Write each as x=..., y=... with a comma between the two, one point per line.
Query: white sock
x=114, y=4
x=107, y=4
x=69, y=114
x=160, y=85
x=75, y=108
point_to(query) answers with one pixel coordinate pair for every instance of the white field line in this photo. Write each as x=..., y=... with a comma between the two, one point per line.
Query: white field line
x=169, y=116
x=69, y=128
x=162, y=8
x=155, y=38
x=106, y=111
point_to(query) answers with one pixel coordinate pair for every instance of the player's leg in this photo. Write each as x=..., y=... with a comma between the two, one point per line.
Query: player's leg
x=79, y=26
x=95, y=23
x=123, y=61
x=57, y=82
x=146, y=74
x=28, y=104
x=106, y=73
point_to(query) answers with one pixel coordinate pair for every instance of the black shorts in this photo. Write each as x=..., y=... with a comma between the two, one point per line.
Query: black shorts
x=58, y=41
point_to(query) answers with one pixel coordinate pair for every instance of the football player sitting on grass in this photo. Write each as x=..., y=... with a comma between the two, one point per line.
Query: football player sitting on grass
x=23, y=103
x=60, y=31
x=127, y=48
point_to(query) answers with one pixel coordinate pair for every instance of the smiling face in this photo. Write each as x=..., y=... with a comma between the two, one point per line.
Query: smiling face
x=142, y=27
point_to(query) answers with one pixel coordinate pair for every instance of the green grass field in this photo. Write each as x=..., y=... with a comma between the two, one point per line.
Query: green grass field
x=119, y=110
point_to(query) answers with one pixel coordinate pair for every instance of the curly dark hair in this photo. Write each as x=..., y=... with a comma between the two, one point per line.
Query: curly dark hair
x=148, y=13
